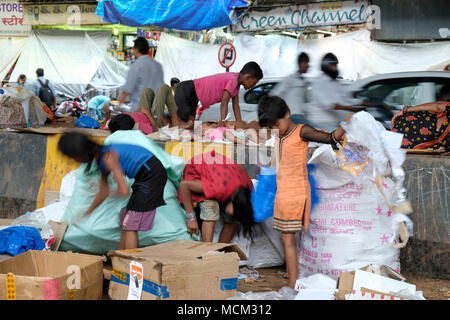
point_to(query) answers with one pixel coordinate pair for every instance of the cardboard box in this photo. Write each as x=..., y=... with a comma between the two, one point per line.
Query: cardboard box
x=47, y=275
x=188, y=270
x=380, y=280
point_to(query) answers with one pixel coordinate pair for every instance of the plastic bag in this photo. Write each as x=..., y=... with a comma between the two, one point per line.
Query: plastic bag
x=312, y=183
x=18, y=239
x=63, y=108
x=87, y=122
x=37, y=220
x=263, y=196
x=368, y=140
x=352, y=158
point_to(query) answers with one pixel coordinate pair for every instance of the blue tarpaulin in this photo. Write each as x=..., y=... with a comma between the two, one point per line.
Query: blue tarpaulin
x=172, y=14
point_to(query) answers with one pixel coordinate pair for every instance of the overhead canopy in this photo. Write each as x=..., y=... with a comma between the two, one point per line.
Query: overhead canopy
x=172, y=14
x=71, y=60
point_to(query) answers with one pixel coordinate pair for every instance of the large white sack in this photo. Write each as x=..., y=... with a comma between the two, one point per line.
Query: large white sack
x=352, y=225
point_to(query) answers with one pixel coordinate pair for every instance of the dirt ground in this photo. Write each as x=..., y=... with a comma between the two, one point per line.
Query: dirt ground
x=273, y=279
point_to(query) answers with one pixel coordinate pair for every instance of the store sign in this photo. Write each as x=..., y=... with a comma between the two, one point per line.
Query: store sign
x=11, y=20
x=313, y=14
x=149, y=35
x=61, y=14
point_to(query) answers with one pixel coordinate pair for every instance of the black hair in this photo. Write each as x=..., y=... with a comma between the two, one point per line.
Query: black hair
x=253, y=69
x=21, y=77
x=243, y=210
x=79, y=147
x=121, y=122
x=270, y=110
x=40, y=72
x=302, y=58
x=141, y=44
x=173, y=81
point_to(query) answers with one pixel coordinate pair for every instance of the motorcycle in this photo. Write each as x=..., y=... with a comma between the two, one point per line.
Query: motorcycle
x=76, y=106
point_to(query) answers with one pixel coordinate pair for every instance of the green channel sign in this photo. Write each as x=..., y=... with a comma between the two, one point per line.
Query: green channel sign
x=315, y=14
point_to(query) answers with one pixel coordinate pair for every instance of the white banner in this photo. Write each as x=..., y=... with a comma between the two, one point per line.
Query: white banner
x=313, y=14
x=11, y=20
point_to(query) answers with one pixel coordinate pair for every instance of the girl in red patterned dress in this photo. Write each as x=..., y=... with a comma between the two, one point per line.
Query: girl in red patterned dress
x=221, y=187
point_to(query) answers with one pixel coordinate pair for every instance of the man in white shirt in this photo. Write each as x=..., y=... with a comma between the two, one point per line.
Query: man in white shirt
x=145, y=72
x=293, y=90
x=330, y=99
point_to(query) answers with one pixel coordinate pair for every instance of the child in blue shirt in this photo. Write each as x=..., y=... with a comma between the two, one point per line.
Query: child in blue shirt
x=121, y=160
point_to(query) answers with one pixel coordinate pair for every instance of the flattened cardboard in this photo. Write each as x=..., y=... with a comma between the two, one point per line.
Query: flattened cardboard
x=187, y=270
x=172, y=252
x=57, y=130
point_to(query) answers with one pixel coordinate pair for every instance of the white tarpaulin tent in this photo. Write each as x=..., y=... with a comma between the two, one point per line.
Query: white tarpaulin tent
x=71, y=60
x=10, y=48
x=358, y=56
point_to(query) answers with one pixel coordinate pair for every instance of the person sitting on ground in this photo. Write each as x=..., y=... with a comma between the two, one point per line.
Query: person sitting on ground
x=293, y=197
x=153, y=105
x=214, y=89
x=121, y=160
x=220, y=187
x=97, y=105
x=44, y=89
x=425, y=125
x=21, y=81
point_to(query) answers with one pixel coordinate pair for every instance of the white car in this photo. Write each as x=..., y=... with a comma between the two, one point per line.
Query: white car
x=248, y=101
x=390, y=92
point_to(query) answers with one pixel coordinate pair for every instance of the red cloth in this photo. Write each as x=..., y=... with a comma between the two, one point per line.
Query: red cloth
x=138, y=117
x=144, y=123
x=220, y=176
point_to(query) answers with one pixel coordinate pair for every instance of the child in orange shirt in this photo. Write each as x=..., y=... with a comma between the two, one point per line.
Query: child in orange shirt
x=293, y=198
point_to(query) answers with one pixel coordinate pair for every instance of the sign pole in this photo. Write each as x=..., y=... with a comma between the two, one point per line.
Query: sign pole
x=227, y=55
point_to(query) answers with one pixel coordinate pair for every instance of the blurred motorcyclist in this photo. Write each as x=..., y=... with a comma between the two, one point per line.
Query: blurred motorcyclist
x=293, y=89
x=329, y=96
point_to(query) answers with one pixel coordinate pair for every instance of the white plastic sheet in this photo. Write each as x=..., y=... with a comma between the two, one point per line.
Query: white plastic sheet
x=71, y=60
x=358, y=56
x=374, y=57
x=10, y=48
x=186, y=59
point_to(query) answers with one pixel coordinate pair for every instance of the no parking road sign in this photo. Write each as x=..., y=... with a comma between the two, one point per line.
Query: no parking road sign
x=227, y=55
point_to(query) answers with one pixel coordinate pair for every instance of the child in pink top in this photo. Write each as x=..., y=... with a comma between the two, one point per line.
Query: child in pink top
x=214, y=89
